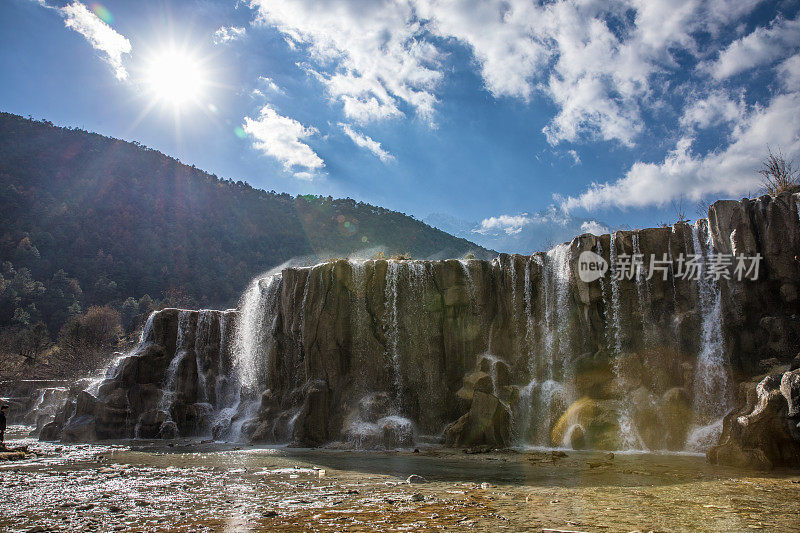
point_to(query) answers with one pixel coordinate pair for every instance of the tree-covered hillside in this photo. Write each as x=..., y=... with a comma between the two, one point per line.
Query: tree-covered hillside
x=86, y=220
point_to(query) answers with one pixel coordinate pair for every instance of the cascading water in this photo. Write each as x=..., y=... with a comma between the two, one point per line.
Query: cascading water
x=616, y=319
x=253, y=348
x=543, y=397
x=393, y=333
x=253, y=343
x=169, y=428
x=628, y=435
x=528, y=300
x=557, y=277
x=642, y=288
x=201, y=339
x=710, y=395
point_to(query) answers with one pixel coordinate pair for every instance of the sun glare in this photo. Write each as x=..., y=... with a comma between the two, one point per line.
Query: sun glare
x=176, y=78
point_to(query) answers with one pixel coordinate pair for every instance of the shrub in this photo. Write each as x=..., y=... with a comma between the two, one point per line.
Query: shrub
x=777, y=174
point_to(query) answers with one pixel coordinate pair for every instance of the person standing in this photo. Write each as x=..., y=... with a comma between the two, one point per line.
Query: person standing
x=3, y=411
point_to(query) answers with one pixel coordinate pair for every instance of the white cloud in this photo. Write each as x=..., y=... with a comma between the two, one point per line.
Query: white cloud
x=363, y=141
x=370, y=55
x=576, y=159
x=760, y=47
x=509, y=224
x=593, y=227
x=99, y=34
x=226, y=34
x=282, y=138
x=270, y=85
x=730, y=171
x=789, y=71
x=595, y=60
x=716, y=108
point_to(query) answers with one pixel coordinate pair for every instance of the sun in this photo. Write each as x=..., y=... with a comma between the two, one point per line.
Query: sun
x=175, y=77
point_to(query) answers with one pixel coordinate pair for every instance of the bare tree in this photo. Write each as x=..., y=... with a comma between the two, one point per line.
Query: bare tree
x=777, y=174
x=680, y=212
x=702, y=206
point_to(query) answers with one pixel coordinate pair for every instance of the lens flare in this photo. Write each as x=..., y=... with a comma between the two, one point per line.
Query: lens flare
x=102, y=12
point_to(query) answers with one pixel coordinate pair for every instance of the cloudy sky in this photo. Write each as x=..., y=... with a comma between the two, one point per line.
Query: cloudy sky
x=503, y=113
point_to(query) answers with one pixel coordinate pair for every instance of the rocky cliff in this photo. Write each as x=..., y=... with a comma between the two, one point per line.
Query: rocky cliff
x=519, y=350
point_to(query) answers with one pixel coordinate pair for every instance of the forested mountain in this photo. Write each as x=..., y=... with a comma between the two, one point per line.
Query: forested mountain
x=86, y=220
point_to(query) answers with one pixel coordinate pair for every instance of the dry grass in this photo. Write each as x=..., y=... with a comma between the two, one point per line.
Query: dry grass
x=777, y=174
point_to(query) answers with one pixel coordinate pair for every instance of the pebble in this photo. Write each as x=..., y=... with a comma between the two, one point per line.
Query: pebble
x=417, y=497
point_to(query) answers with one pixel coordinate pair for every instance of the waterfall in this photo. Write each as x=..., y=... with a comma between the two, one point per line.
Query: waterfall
x=711, y=378
x=470, y=282
x=253, y=344
x=541, y=399
x=557, y=312
x=672, y=278
x=359, y=317
x=169, y=428
x=515, y=318
x=392, y=320
x=616, y=320
x=570, y=352
x=642, y=289
x=528, y=301
x=202, y=337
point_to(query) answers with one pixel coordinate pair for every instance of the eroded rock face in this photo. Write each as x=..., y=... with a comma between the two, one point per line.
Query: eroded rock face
x=518, y=350
x=766, y=432
x=170, y=386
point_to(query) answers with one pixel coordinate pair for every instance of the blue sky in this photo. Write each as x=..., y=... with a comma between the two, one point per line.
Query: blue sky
x=510, y=117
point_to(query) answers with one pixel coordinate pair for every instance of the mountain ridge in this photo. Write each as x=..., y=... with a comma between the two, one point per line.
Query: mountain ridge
x=118, y=220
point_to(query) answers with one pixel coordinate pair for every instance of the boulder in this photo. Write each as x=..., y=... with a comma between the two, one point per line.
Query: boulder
x=168, y=430
x=50, y=432
x=762, y=434
x=599, y=422
x=80, y=429
x=479, y=381
x=488, y=422
x=790, y=389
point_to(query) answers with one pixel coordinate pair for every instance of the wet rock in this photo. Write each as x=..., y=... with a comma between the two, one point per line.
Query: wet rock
x=597, y=420
x=763, y=434
x=790, y=389
x=487, y=422
x=675, y=417
x=374, y=406
x=169, y=430
x=576, y=437
x=80, y=429
x=479, y=381
x=414, y=479
x=150, y=423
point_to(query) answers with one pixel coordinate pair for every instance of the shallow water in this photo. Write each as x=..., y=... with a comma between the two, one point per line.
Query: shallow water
x=192, y=486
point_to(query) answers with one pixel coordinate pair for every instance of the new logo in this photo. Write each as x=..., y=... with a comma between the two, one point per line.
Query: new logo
x=591, y=266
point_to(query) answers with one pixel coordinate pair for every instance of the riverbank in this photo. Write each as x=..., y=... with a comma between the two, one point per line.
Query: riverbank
x=187, y=485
